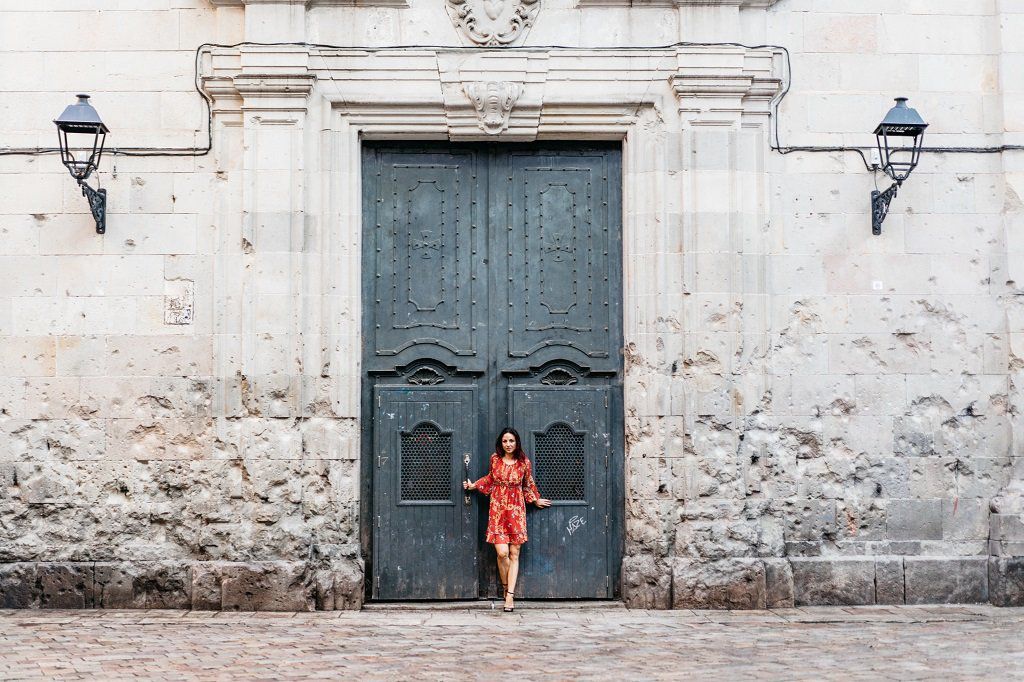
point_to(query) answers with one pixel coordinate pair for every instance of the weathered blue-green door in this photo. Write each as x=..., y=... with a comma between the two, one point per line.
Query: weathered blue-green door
x=492, y=297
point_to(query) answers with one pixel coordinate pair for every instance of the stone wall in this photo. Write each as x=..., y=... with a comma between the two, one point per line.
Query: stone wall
x=814, y=415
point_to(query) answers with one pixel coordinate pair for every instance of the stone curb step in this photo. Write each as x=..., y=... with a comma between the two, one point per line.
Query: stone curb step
x=488, y=604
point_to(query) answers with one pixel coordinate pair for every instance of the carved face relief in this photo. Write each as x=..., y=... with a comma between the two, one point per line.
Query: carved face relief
x=493, y=22
x=493, y=102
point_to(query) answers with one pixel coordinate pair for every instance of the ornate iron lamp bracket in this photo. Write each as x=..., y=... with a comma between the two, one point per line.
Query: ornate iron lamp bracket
x=97, y=204
x=880, y=206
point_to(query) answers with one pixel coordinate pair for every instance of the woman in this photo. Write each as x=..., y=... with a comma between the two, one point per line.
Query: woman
x=510, y=485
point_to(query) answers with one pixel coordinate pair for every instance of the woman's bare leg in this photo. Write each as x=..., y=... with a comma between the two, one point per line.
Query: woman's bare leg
x=503, y=554
x=513, y=572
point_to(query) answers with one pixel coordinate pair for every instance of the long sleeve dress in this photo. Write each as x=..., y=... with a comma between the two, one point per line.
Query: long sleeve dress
x=510, y=487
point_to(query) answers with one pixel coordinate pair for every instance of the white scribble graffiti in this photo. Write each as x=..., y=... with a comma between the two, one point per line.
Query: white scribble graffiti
x=574, y=524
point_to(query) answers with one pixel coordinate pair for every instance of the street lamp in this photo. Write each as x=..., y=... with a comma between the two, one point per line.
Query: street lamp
x=905, y=127
x=80, y=128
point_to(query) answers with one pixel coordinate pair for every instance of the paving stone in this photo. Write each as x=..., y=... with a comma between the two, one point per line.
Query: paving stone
x=538, y=641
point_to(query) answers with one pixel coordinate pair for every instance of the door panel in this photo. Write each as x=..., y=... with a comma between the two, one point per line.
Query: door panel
x=424, y=544
x=425, y=238
x=491, y=297
x=566, y=432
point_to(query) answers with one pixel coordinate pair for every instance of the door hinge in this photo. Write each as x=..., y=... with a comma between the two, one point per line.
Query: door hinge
x=378, y=401
x=378, y=523
x=606, y=460
x=607, y=585
x=606, y=400
x=606, y=522
x=376, y=581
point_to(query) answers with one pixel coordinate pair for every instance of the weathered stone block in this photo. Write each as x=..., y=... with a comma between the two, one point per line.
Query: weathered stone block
x=336, y=577
x=113, y=587
x=206, y=586
x=19, y=588
x=265, y=586
x=66, y=586
x=646, y=582
x=889, y=588
x=725, y=584
x=778, y=579
x=1006, y=580
x=833, y=581
x=965, y=519
x=933, y=580
x=143, y=585
x=348, y=584
x=914, y=520
x=1007, y=527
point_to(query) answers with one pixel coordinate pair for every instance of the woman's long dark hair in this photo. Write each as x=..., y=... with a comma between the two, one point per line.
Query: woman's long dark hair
x=500, y=451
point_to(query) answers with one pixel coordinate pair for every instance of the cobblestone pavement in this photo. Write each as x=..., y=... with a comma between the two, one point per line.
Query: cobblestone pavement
x=549, y=642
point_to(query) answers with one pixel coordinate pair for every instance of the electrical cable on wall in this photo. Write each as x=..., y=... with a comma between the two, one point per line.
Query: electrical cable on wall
x=775, y=145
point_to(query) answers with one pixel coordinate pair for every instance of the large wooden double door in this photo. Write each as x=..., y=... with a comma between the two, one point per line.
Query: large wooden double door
x=491, y=297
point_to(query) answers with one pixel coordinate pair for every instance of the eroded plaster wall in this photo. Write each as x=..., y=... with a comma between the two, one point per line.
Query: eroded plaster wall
x=814, y=415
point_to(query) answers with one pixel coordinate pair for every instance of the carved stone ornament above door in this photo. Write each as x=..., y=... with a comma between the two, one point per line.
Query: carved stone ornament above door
x=493, y=22
x=493, y=102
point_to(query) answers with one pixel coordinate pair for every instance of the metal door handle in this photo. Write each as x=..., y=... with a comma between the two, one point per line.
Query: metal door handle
x=465, y=476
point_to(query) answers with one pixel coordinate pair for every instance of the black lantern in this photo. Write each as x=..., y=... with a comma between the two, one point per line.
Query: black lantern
x=900, y=136
x=82, y=134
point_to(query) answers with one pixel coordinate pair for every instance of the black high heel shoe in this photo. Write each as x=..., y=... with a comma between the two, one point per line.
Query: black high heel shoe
x=509, y=609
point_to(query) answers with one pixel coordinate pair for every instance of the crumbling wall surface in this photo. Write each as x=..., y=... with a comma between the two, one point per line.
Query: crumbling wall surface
x=160, y=445
x=827, y=416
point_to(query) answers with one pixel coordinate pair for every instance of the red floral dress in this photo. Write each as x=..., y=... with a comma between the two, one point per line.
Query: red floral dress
x=510, y=486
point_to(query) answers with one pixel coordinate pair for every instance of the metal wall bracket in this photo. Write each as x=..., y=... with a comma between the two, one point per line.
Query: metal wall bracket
x=880, y=207
x=97, y=204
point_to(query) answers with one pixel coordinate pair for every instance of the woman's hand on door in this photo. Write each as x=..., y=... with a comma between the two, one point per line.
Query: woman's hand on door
x=468, y=485
x=543, y=503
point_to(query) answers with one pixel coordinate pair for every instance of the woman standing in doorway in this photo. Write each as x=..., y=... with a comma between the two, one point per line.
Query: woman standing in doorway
x=510, y=485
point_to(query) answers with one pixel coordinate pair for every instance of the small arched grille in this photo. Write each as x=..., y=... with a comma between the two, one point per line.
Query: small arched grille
x=426, y=471
x=560, y=469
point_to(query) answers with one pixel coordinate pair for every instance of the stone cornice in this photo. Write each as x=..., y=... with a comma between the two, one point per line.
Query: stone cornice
x=729, y=88
x=274, y=85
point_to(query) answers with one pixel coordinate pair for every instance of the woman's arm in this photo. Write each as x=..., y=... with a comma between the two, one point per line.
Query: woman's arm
x=484, y=484
x=530, y=492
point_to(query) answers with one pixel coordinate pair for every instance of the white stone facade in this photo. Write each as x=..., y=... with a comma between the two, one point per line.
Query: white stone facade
x=813, y=414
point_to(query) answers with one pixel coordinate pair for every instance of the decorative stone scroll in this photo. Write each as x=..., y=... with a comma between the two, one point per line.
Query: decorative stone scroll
x=493, y=22
x=493, y=101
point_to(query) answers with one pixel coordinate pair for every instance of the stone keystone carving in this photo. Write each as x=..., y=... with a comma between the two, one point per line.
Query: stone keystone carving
x=493, y=22
x=493, y=101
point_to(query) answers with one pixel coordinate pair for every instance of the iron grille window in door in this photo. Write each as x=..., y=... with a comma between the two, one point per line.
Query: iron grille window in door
x=560, y=473
x=426, y=472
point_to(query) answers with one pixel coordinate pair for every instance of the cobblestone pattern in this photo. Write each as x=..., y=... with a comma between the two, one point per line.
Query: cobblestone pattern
x=534, y=643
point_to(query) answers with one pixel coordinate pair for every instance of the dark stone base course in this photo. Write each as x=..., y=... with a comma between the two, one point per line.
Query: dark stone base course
x=846, y=581
x=1006, y=580
x=209, y=585
x=335, y=581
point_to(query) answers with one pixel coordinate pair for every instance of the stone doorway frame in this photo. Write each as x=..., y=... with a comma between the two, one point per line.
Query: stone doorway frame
x=693, y=124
